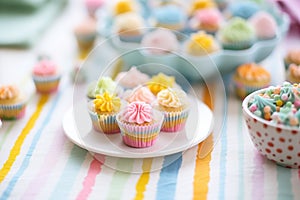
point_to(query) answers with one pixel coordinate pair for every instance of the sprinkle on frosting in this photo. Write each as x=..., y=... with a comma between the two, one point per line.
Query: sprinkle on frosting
x=132, y=78
x=160, y=82
x=141, y=94
x=106, y=103
x=8, y=92
x=138, y=112
x=45, y=68
x=170, y=98
x=105, y=84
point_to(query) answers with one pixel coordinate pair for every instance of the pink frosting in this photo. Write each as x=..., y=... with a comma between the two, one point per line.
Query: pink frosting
x=45, y=68
x=138, y=112
x=164, y=40
x=94, y=3
x=208, y=16
x=264, y=24
x=132, y=78
x=141, y=94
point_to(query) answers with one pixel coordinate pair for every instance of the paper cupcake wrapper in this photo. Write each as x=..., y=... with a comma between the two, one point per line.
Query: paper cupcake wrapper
x=238, y=45
x=12, y=112
x=174, y=121
x=104, y=123
x=46, y=85
x=243, y=90
x=140, y=136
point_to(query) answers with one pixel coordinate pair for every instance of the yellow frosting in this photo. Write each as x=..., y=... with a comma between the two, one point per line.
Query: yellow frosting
x=202, y=4
x=201, y=43
x=168, y=98
x=8, y=92
x=160, y=82
x=106, y=103
x=123, y=6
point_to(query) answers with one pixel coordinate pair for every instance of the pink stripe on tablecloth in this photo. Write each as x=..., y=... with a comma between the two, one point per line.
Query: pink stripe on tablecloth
x=258, y=177
x=48, y=165
x=90, y=179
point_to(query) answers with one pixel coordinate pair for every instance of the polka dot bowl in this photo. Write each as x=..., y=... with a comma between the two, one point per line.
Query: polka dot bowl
x=279, y=143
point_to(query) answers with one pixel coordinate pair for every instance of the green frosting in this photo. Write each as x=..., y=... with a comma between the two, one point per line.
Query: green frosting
x=237, y=30
x=104, y=84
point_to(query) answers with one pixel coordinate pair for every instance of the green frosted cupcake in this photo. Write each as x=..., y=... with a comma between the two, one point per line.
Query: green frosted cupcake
x=104, y=84
x=237, y=34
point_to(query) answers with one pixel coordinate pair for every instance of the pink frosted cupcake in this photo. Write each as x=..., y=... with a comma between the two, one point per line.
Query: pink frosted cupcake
x=131, y=78
x=12, y=103
x=46, y=76
x=174, y=104
x=209, y=20
x=139, y=124
x=140, y=93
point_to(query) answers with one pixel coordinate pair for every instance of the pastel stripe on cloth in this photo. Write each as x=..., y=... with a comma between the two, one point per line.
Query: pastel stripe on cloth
x=69, y=174
x=258, y=177
x=120, y=178
x=89, y=180
x=31, y=149
x=284, y=183
x=202, y=165
x=144, y=179
x=166, y=186
x=15, y=151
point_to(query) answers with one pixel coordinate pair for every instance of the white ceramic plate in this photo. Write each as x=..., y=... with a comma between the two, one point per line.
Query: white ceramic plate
x=198, y=127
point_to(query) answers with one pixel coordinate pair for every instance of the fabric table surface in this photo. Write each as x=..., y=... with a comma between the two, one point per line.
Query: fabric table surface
x=37, y=160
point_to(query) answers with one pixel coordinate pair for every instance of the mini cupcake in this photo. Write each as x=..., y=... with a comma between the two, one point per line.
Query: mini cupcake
x=160, y=82
x=131, y=78
x=104, y=84
x=93, y=5
x=140, y=125
x=85, y=34
x=293, y=74
x=264, y=25
x=169, y=16
x=46, y=76
x=12, y=103
x=103, y=111
x=243, y=9
x=237, y=34
x=209, y=20
x=292, y=56
x=140, y=93
x=173, y=103
x=249, y=78
x=129, y=27
x=201, y=4
x=201, y=44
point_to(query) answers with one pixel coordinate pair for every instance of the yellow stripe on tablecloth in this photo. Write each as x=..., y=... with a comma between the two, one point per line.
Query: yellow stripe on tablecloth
x=202, y=168
x=144, y=179
x=15, y=151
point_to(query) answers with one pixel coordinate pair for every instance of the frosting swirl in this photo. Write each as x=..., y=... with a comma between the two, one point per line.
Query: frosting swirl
x=293, y=56
x=169, y=98
x=138, y=112
x=106, y=103
x=252, y=72
x=105, y=84
x=8, y=92
x=141, y=94
x=160, y=82
x=45, y=68
x=132, y=78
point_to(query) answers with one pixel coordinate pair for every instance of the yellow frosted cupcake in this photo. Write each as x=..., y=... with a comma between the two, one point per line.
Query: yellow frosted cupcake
x=250, y=77
x=103, y=111
x=201, y=44
x=12, y=103
x=160, y=82
x=173, y=103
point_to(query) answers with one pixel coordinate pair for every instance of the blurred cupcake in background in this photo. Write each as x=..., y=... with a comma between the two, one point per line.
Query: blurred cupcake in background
x=250, y=77
x=209, y=20
x=93, y=5
x=170, y=16
x=293, y=73
x=12, y=103
x=242, y=9
x=158, y=46
x=46, y=76
x=129, y=26
x=201, y=44
x=160, y=82
x=264, y=25
x=292, y=57
x=85, y=33
x=197, y=5
x=237, y=34
x=124, y=6
x=131, y=78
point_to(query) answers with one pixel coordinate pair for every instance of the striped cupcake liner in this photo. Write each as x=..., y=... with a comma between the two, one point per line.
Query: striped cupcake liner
x=104, y=123
x=174, y=121
x=243, y=90
x=12, y=112
x=141, y=136
x=45, y=85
